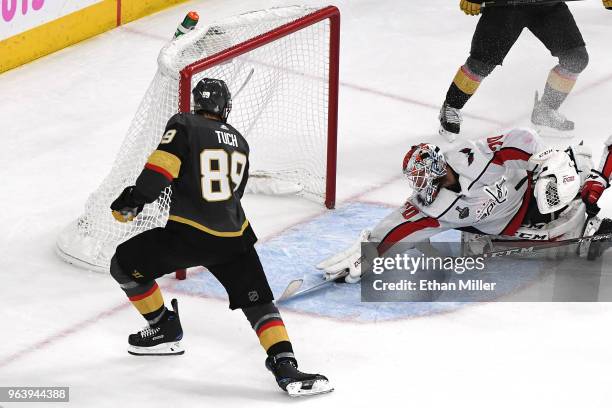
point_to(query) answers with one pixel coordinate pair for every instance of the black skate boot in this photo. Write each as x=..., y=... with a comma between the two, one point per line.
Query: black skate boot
x=160, y=339
x=547, y=117
x=295, y=382
x=596, y=248
x=450, y=122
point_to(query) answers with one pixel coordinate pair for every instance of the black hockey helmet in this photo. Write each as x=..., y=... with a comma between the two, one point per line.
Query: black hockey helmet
x=212, y=96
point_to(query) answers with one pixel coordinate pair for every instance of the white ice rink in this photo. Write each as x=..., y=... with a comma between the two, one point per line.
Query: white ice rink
x=63, y=118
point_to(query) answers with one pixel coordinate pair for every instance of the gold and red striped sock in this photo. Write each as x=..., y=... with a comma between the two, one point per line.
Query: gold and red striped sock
x=270, y=329
x=463, y=87
x=559, y=84
x=148, y=300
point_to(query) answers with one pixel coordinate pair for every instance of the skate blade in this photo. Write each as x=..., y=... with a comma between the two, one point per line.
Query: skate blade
x=451, y=137
x=298, y=389
x=164, y=349
x=546, y=131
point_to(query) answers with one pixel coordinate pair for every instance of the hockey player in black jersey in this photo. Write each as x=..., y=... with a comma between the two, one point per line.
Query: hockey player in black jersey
x=496, y=32
x=206, y=161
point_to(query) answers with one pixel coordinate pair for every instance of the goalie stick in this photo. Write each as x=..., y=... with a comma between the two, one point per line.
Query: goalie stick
x=293, y=288
x=547, y=245
x=502, y=3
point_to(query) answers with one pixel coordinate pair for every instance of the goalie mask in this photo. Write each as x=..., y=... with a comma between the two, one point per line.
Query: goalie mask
x=424, y=165
x=212, y=96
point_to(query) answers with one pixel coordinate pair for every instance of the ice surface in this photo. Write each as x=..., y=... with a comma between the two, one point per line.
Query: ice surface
x=63, y=118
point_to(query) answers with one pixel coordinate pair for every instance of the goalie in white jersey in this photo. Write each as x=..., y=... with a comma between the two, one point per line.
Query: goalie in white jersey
x=509, y=185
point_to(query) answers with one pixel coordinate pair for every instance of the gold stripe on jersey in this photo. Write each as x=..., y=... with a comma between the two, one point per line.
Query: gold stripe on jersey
x=167, y=161
x=225, y=234
x=465, y=83
x=560, y=83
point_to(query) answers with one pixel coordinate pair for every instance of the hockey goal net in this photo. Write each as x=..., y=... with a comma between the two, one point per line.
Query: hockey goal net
x=281, y=65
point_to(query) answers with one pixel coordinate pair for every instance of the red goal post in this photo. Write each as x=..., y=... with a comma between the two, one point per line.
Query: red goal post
x=330, y=13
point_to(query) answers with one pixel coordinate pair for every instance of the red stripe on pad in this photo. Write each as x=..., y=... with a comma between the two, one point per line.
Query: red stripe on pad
x=146, y=294
x=268, y=325
x=159, y=170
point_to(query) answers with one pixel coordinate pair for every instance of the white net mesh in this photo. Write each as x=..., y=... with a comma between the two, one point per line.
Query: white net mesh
x=281, y=110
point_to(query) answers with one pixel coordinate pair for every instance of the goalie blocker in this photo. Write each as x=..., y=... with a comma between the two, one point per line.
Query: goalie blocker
x=508, y=186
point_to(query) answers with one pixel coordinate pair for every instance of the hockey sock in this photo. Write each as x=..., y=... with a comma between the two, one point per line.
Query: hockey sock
x=558, y=85
x=464, y=85
x=146, y=297
x=148, y=300
x=268, y=324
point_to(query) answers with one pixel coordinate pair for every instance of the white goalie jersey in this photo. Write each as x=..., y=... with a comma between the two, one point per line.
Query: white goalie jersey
x=495, y=179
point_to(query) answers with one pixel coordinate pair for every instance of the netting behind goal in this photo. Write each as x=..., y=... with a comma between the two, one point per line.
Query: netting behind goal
x=282, y=67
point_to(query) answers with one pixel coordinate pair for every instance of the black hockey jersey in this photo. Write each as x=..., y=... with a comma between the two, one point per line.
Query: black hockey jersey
x=207, y=162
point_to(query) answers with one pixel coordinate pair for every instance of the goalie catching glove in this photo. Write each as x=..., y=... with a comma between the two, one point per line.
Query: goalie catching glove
x=346, y=264
x=128, y=205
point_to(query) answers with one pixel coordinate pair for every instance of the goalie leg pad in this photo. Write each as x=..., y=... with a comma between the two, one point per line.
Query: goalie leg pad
x=568, y=224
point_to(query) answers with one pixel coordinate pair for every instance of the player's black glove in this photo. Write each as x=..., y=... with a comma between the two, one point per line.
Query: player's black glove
x=128, y=205
x=608, y=4
x=470, y=7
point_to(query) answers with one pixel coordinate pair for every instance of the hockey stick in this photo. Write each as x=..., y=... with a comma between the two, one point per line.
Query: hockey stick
x=246, y=81
x=591, y=213
x=503, y=3
x=548, y=245
x=293, y=289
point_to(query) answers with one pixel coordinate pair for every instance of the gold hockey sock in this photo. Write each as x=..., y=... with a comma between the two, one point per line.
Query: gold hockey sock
x=559, y=84
x=270, y=329
x=463, y=87
x=149, y=302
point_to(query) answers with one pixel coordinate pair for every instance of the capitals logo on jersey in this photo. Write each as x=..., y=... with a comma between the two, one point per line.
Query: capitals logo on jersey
x=498, y=193
x=469, y=153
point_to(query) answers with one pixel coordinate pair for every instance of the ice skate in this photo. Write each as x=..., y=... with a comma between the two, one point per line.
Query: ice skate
x=295, y=382
x=549, y=121
x=160, y=339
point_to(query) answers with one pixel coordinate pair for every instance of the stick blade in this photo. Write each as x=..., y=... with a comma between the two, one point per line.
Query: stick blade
x=291, y=289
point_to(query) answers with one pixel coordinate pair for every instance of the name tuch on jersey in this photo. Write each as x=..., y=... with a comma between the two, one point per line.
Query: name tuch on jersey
x=227, y=138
